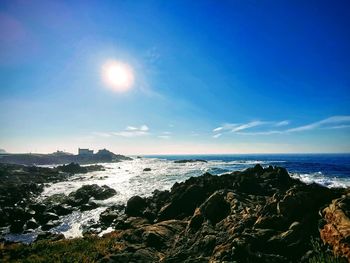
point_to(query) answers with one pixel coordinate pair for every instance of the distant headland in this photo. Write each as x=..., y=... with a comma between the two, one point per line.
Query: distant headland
x=84, y=156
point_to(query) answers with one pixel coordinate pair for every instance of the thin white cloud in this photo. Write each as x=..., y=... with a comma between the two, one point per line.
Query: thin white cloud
x=331, y=120
x=218, y=129
x=132, y=131
x=334, y=122
x=217, y=135
x=248, y=125
x=282, y=123
x=339, y=127
x=226, y=127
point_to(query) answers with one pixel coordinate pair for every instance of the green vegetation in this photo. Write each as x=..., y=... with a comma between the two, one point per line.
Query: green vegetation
x=322, y=254
x=87, y=249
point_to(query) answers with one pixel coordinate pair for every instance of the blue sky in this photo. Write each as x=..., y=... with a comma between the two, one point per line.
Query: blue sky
x=235, y=77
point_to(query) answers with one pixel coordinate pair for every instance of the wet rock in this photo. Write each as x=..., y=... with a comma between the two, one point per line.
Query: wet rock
x=135, y=206
x=89, y=206
x=39, y=208
x=110, y=214
x=50, y=224
x=72, y=168
x=31, y=224
x=84, y=193
x=47, y=216
x=62, y=209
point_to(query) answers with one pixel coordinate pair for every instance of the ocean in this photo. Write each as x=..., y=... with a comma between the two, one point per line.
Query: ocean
x=128, y=178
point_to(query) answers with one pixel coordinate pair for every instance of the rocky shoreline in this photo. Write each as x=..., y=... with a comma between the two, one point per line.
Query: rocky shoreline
x=257, y=215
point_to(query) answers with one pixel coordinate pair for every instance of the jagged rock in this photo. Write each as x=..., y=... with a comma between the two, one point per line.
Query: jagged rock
x=336, y=231
x=215, y=208
x=196, y=220
x=183, y=203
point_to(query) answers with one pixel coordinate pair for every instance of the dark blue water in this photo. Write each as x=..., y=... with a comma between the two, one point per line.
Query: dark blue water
x=327, y=169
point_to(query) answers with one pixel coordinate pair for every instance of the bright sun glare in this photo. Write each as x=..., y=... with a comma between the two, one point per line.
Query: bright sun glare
x=117, y=75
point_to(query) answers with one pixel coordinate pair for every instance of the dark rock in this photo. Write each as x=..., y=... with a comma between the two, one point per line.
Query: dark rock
x=89, y=206
x=38, y=208
x=84, y=193
x=31, y=224
x=110, y=214
x=215, y=208
x=72, y=168
x=196, y=220
x=62, y=209
x=183, y=204
x=45, y=217
x=16, y=226
x=135, y=206
x=50, y=224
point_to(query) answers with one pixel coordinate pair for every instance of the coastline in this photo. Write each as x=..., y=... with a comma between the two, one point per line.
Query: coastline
x=257, y=214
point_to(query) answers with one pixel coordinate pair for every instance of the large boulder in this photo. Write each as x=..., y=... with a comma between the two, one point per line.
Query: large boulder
x=84, y=193
x=135, y=206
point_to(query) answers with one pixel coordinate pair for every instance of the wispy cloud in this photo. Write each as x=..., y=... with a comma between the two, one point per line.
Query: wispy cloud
x=217, y=135
x=248, y=125
x=334, y=122
x=282, y=123
x=329, y=122
x=132, y=131
x=226, y=127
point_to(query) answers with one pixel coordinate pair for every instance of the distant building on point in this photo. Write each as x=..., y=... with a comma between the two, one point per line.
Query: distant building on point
x=85, y=152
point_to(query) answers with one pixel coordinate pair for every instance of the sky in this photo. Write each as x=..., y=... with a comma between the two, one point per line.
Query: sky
x=209, y=77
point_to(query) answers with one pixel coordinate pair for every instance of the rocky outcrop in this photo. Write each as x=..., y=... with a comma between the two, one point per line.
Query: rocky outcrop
x=75, y=168
x=101, y=156
x=336, y=230
x=257, y=215
x=21, y=212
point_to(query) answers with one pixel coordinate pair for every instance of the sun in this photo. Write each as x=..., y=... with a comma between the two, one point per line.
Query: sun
x=118, y=75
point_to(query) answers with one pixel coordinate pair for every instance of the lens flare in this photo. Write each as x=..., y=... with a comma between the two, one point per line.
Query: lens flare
x=118, y=76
